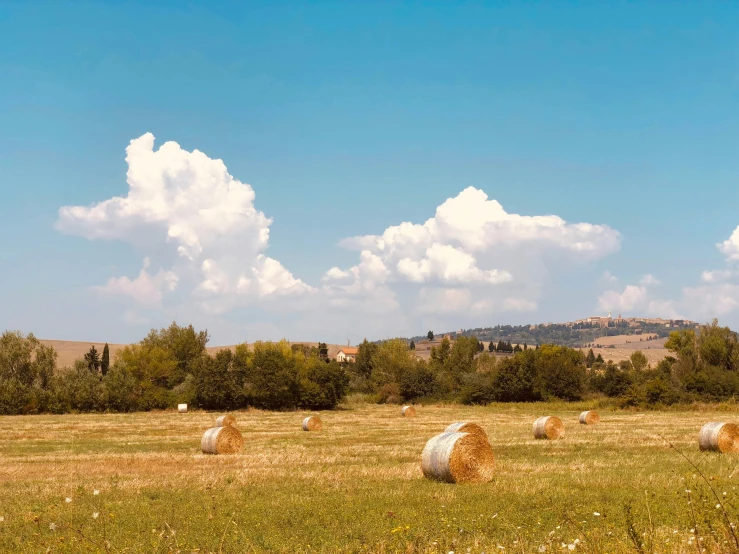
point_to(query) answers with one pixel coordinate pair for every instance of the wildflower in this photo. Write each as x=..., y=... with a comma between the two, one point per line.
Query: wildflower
x=95, y=492
x=52, y=526
x=718, y=506
x=95, y=515
x=571, y=546
x=68, y=500
x=576, y=541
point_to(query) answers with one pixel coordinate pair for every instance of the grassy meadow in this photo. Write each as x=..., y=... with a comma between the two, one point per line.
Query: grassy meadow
x=138, y=483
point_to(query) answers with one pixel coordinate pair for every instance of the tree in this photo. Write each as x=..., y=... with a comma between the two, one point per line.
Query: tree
x=491, y=347
x=184, y=343
x=480, y=347
x=590, y=359
x=430, y=335
x=599, y=359
x=413, y=345
x=363, y=362
x=92, y=358
x=105, y=361
x=638, y=360
x=323, y=351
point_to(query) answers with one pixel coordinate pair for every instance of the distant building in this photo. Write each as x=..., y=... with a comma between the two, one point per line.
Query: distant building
x=347, y=354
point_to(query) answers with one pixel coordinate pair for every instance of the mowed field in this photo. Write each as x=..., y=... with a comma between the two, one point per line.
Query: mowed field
x=138, y=483
x=625, y=345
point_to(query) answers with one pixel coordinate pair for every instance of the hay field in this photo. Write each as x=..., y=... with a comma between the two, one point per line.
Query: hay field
x=625, y=345
x=356, y=486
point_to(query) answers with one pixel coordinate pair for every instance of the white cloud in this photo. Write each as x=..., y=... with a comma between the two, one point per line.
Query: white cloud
x=631, y=298
x=476, y=224
x=608, y=278
x=730, y=247
x=519, y=305
x=208, y=241
x=472, y=244
x=716, y=276
x=188, y=204
x=649, y=280
x=145, y=289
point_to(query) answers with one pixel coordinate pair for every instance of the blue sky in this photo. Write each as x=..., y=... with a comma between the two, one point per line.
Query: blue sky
x=346, y=119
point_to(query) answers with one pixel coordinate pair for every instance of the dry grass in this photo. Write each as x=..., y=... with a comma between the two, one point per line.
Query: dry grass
x=357, y=486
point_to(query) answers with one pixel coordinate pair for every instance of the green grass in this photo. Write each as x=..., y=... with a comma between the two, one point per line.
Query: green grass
x=356, y=486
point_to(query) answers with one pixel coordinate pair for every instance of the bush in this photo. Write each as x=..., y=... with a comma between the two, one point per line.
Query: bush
x=321, y=385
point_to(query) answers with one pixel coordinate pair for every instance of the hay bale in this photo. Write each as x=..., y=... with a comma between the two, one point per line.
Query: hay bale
x=466, y=427
x=312, y=423
x=225, y=420
x=458, y=458
x=589, y=417
x=408, y=411
x=221, y=440
x=719, y=437
x=182, y=408
x=549, y=427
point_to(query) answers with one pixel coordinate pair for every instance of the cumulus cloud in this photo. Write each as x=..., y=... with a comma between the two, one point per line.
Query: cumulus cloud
x=716, y=294
x=188, y=204
x=146, y=289
x=730, y=247
x=649, y=280
x=471, y=241
x=200, y=228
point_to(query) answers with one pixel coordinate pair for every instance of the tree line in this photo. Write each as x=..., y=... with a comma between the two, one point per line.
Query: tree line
x=171, y=366
x=167, y=367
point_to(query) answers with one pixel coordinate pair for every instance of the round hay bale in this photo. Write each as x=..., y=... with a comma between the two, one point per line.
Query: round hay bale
x=549, y=427
x=719, y=437
x=466, y=427
x=221, y=440
x=458, y=458
x=312, y=423
x=408, y=411
x=225, y=420
x=589, y=417
x=182, y=408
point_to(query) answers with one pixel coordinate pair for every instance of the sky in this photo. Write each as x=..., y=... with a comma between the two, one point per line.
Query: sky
x=339, y=170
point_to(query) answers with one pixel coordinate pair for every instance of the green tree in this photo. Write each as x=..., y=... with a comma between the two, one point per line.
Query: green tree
x=430, y=335
x=491, y=347
x=590, y=359
x=321, y=386
x=638, y=360
x=184, y=343
x=105, y=361
x=413, y=345
x=323, y=351
x=363, y=362
x=92, y=359
x=272, y=377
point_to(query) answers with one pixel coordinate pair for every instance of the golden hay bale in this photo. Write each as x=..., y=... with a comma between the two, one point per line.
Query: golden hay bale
x=720, y=437
x=221, y=440
x=549, y=427
x=312, y=423
x=590, y=417
x=466, y=427
x=458, y=458
x=408, y=411
x=182, y=408
x=225, y=420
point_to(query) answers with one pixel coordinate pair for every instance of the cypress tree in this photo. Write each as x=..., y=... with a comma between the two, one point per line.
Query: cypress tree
x=105, y=362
